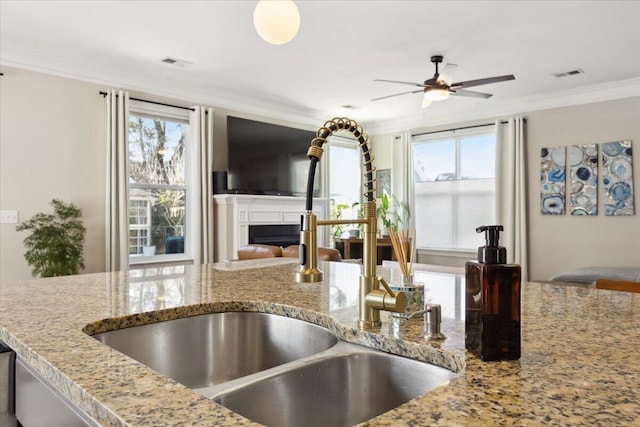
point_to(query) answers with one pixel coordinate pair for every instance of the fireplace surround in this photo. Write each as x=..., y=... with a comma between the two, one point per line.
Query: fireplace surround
x=238, y=218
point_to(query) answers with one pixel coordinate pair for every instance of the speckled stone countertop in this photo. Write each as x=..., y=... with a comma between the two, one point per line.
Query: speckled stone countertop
x=579, y=362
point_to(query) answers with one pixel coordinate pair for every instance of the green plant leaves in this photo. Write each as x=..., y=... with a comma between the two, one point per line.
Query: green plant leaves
x=391, y=212
x=55, y=245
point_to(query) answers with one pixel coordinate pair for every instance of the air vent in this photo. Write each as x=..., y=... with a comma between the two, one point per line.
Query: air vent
x=569, y=73
x=177, y=62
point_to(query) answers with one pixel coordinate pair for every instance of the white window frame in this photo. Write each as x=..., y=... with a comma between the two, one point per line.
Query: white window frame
x=149, y=110
x=138, y=226
x=457, y=134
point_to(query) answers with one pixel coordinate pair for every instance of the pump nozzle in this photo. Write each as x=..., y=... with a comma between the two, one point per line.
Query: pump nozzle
x=492, y=235
x=492, y=252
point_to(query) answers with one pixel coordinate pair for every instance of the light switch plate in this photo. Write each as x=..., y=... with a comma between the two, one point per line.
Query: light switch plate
x=8, y=217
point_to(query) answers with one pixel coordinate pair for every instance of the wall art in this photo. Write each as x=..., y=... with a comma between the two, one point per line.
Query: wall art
x=582, y=161
x=617, y=178
x=552, y=181
x=384, y=182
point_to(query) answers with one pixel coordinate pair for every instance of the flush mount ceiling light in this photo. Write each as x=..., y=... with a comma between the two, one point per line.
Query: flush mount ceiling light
x=276, y=21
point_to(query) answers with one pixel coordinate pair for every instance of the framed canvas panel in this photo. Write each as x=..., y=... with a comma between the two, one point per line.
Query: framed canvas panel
x=617, y=178
x=583, y=179
x=552, y=180
x=384, y=182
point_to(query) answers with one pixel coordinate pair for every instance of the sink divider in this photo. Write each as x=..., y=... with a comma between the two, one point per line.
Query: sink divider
x=341, y=348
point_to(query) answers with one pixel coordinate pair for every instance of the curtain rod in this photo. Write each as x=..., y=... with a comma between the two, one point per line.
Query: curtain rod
x=154, y=102
x=462, y=128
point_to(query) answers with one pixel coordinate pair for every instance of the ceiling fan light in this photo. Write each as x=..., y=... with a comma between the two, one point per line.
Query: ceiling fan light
x=276, y=21
x=438, y=94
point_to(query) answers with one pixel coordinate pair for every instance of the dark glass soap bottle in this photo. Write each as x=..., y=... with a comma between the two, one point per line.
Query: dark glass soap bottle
x=492, y=325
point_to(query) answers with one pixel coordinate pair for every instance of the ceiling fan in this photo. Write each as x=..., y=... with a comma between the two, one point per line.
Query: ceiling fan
x=439, y=87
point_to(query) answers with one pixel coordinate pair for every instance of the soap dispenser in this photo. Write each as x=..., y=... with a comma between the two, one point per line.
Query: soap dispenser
x=492, y=311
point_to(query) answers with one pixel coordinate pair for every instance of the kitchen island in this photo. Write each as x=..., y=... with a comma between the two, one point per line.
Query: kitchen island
x=578, y=366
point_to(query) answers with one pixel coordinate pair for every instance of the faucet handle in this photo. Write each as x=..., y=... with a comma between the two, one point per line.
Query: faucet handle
x=385, y=285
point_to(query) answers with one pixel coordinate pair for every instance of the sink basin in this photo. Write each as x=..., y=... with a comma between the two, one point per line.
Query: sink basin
x=276, y=370
x=202, y=351
x=340, y=390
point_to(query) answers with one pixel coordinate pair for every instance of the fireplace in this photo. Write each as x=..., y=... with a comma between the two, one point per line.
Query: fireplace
x=282, y=235
x=241, y=219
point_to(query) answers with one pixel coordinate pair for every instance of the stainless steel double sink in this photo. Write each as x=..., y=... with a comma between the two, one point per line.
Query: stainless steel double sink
x=277, y=370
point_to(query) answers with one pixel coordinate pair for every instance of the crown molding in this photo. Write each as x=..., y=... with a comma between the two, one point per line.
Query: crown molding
x=188, y=96
x=305, y=116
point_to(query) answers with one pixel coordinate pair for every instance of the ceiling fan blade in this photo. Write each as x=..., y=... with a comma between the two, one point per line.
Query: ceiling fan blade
x=489, y=80
x=396, y=81
x=471, y=94
x=397, y=94
x=447, y=73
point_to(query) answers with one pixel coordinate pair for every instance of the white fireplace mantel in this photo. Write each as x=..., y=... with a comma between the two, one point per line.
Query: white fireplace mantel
x=234, y=213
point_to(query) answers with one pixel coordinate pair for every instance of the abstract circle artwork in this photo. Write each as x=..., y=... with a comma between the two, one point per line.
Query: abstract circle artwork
x=583, y=184
x=609, y=163
x=552, y=180
x=617, y=178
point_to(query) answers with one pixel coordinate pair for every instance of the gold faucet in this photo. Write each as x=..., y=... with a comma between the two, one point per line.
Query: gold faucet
x=372, y=299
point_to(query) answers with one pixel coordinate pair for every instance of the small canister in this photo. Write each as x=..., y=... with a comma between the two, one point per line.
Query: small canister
x=414, y=293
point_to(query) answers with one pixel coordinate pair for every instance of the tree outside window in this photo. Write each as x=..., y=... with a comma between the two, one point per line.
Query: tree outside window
x=157, y=184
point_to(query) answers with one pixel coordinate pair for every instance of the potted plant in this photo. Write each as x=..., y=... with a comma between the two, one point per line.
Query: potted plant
x=337, y=213
x=149, y=250
x=355, y=230
x=391, y=213
x=55, y=245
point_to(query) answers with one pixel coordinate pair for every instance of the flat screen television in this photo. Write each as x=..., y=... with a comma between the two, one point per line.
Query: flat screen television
x=268, y=159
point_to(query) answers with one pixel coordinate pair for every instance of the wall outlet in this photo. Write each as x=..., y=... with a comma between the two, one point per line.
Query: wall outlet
x=8, y=217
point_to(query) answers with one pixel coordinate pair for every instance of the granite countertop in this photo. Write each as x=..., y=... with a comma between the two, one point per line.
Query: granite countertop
x=578, y=366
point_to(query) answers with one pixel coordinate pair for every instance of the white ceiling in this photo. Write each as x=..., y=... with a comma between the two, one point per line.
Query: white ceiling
x=342, y=46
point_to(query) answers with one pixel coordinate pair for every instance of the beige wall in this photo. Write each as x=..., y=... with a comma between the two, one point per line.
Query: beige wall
x=558, y=244
x=381, y=147
x=52, y=145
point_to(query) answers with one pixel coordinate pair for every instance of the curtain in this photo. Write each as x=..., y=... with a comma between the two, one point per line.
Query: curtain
x=400, y=166
x=511, y=196
x=117, y=219
x=201, y=123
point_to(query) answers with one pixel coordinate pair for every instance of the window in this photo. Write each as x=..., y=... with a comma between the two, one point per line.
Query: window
x=139, y=224
x=453, y=189
x=345, y=181
x=158, y=184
